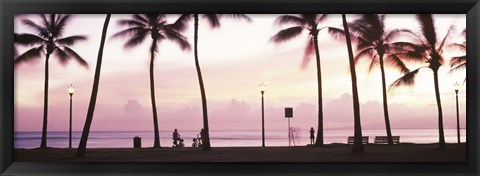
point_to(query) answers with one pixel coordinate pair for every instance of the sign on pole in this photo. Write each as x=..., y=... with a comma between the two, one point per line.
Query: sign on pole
x=288, y=112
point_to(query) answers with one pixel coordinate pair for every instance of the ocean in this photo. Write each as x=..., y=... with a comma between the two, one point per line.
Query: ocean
x=115, y=139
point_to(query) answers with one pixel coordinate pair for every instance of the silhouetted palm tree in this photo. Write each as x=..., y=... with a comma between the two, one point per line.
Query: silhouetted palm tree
x=427, y=51
x=214, y=21
x=48, y=40
x=459, y=62
x=93, y=98
x=306, y=22
x=357, y=143
x=154, y=25
x=374, y=42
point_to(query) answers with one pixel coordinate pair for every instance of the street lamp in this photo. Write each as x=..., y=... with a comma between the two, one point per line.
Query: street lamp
x=456, y=86
x=71, y=89
x=262, y=90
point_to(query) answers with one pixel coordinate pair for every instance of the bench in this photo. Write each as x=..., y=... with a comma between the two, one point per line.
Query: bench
x=384, y=139
x=351, y=139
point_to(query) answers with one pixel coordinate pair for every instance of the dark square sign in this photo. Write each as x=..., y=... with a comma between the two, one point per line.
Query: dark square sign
x=288, y=112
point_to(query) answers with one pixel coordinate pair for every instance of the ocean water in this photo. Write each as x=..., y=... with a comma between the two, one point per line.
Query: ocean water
x=106, y=139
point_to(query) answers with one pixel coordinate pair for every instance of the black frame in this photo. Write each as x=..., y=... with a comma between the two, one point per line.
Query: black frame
x=10, y=7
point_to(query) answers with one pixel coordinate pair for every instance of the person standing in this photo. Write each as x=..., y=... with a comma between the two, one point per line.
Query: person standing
x=312, y=135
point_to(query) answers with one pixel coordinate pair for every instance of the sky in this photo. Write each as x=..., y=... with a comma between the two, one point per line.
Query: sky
x=235, y=59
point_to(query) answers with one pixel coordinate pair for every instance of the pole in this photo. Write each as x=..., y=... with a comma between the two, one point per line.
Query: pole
x=289, y=139
x=458, y=119
x=263, y=124
x=70, y=131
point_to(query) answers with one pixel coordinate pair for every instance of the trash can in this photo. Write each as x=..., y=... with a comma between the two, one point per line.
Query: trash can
x=137, y=142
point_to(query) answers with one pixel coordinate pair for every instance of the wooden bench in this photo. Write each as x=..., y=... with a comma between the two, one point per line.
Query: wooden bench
x=384, y=139
x=351, y=139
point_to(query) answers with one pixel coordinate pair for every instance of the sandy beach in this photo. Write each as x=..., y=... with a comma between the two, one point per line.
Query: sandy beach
x=404, y=152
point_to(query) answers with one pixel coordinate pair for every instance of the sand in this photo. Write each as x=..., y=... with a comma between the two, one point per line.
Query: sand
x=403, y=152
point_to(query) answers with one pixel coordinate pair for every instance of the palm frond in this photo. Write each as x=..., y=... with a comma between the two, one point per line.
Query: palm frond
x=237, y=17
x=336, y=33
x=62, y=56
x=27, y=39
x=131, y=23
x=458, y=60
x=287, y=34
x=459, y=46
x=428, y=29
x=362, y=29
x=213, y=20
x=71, y=40
x=403, y=46
x=461, y=66
x=60, y=23
x=363, y=43
x=29, y=55
x=394, y=33
x=181, y=23
x=42, y=31
x=290, y=19
x=74, y=55
x=310, y=19
x=309, y=51
x=397, y=63
x=131, y=32
x=440, y=48
x=136, y=39
x=407, y=79
x=141, y=18
x=321, y=17
x=179, y=39
x=367, y=52
x=373, y=63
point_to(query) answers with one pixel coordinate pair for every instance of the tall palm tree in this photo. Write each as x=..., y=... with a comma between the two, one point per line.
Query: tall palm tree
x=376, y=43
x=155, y=26
x=93, y=98
x=459, y=62
x=310, y=23
x=48, y=40
x=427, y=51
x=214, y=21
x=357, y=143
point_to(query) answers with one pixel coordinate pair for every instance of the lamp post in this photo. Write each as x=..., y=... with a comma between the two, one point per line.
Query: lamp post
x=71, y=89
x=262, y=90
x=456, y=86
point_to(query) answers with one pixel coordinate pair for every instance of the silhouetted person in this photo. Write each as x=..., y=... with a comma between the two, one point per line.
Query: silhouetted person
x=176, y=137
x=312, y=135
x=202, y=133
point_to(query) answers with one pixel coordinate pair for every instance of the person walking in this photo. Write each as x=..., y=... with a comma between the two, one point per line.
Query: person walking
x=312, y=135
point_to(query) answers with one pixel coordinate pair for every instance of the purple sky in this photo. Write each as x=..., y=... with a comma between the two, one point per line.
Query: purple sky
x=234, y=59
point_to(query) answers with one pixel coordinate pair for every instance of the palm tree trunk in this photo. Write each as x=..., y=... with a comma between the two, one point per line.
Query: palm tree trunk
x=319, y=141
x=357, y=144
x=385, y=103
x=93, y=98
x=441, y=135
x=43, y=143
x=156, y=143
x=206, y=135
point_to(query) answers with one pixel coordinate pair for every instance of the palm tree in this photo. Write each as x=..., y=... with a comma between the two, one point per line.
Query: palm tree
x=93, y=99
x=427, y=51
x=48, y=40
x=357, y=143
x=155, y=26
x=214, y=21
x=459, y=62
x=374, y=42
x=306, y=22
